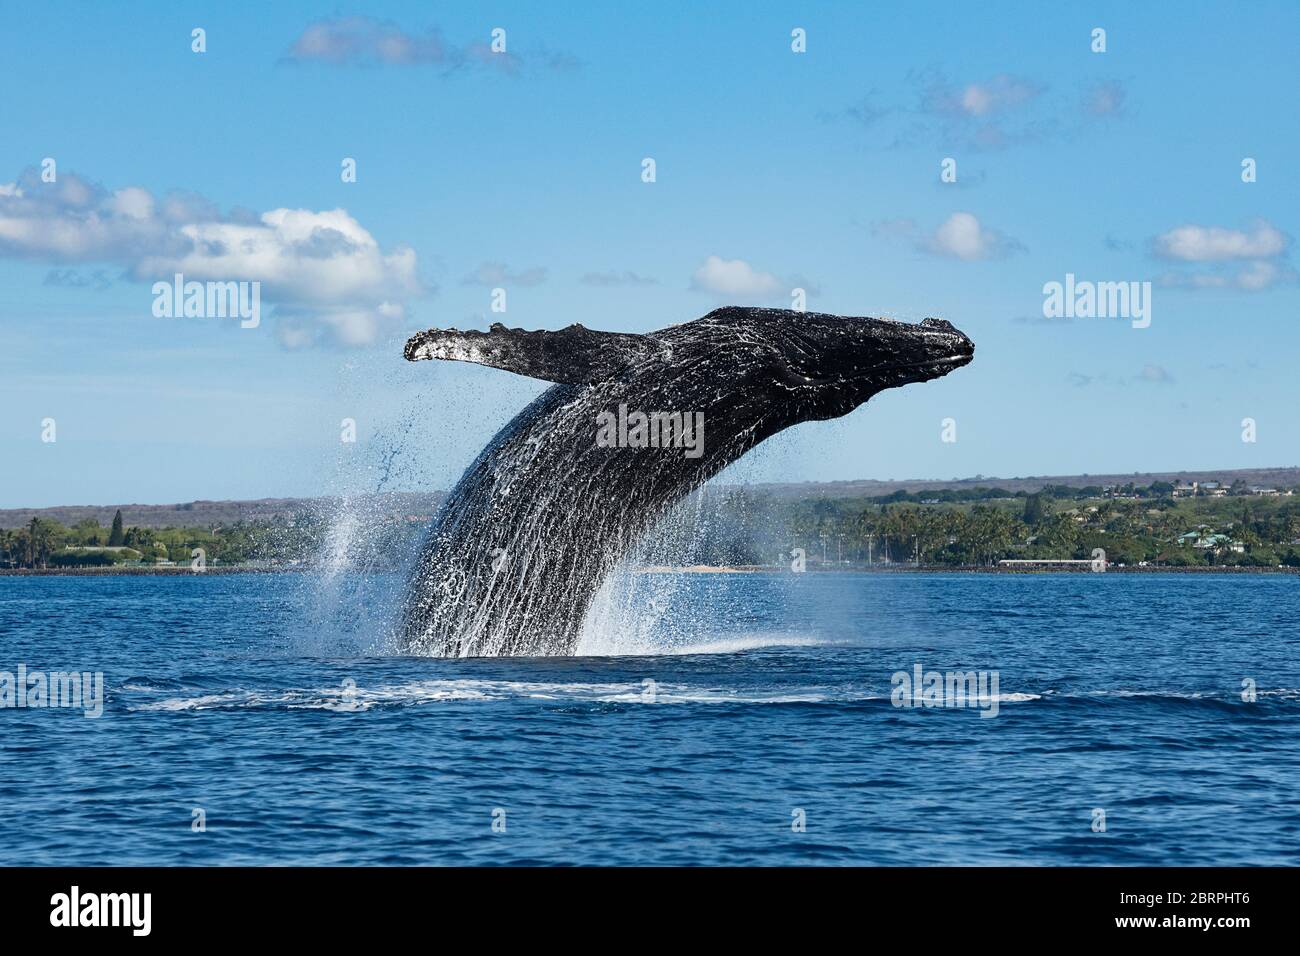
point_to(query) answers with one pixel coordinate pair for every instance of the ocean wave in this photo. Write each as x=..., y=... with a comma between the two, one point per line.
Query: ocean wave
x=414, y=693
x=360, y=697
x=1213, y=699
x=602, y=646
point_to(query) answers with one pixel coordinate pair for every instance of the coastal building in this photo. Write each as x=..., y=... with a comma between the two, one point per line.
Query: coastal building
x=1219, y=542
x=1206, y=539
x=1212, y=489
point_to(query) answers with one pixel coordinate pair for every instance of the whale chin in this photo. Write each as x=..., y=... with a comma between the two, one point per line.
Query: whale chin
x=925, y=370
x=841, y=397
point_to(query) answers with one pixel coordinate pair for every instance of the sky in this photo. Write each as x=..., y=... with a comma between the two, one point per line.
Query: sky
x=524, y=170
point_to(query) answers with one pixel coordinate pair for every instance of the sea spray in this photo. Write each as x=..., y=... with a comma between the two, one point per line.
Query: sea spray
x=646, y=606
x=366, y=534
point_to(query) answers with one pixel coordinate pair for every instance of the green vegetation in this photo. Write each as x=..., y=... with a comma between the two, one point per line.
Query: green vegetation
x=44, y=544
x=979, y=527
x=89, y=558
x=731, y=526
x=1132, y=525
x=117, y=537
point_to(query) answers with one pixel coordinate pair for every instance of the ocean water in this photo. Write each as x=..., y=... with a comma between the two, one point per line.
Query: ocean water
x=708, y=718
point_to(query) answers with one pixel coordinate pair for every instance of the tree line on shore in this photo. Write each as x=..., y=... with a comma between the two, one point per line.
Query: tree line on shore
x=1131, y=525
x=738, y=526
x=1129, y=532
x=45, y=543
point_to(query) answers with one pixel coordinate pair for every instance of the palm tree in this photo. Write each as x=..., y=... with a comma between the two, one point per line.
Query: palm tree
x=41, y=540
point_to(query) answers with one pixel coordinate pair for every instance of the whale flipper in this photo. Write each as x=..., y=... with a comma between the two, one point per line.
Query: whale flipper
x=572, y=356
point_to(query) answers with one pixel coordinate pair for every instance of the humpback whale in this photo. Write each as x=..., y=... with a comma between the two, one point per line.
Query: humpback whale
x=524, y=540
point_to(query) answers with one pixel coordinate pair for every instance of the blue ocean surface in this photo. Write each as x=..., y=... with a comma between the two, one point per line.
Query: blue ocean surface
x=716, y=719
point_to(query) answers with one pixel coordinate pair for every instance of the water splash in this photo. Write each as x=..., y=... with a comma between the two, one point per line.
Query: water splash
x=351, y=593
x=350, y=612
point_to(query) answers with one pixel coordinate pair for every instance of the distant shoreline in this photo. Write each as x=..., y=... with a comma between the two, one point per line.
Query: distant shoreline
x=423, y=505
x=966, y=569
x=694, y=569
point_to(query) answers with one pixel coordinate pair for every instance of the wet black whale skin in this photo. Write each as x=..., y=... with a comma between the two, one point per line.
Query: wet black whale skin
x=526, y=537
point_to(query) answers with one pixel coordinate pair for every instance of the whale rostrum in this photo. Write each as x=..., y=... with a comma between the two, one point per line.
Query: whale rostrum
x=633, y=424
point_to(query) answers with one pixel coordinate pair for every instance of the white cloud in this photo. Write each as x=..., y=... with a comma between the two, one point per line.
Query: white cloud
x=1149, y=375
x=72, y=220
x=961, y=236
x=1252, y=277
x=298, y=255
x=977, y=114
x=359, y=40
x=353, y=327
x=1192, y=243
x=1104, y=99
x=999, y=94
x=1261, y=275
x=294, y=335
x=494, y=274
x=322, y=270
x=617, y=279
x=1155, y=375
x=132, y=203
x=366, y=41
x=72, y=279
x=1247, y=259
x=734, y=278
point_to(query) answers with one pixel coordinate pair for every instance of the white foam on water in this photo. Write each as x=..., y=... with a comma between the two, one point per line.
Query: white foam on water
x=615, y=644
x=188, y=703
x=1186, y=695
x=745, y=642
x=636, y=615
x=417, y=693
x=330, y=698
x=473, y=690
x=1286, y=693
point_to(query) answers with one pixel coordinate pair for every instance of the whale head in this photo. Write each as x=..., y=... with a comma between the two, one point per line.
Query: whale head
x=824, y=366
x=806, y=366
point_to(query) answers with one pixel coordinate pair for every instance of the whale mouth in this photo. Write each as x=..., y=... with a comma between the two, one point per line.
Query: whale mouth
x=956, y=361
x=945, y=362
x=937, y=367
x=876, y=377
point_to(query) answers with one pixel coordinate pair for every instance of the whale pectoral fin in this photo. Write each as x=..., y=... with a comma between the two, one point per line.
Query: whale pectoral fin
x=571, y=356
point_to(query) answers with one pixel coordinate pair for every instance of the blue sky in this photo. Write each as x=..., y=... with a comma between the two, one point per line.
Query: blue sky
x=774, y=169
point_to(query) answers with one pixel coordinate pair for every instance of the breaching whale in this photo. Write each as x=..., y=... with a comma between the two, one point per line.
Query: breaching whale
x=524, y=540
